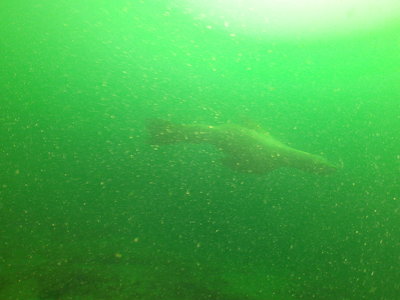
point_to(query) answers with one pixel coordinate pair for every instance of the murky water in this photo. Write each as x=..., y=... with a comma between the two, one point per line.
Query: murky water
x=90, y=210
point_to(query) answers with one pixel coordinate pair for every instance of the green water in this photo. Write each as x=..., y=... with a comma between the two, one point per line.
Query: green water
x=89, y=210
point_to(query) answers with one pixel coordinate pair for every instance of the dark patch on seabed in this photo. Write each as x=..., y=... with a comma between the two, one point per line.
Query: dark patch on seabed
x=119, y=277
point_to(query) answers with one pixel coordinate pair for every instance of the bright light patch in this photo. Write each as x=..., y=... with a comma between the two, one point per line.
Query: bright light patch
x=294, y=17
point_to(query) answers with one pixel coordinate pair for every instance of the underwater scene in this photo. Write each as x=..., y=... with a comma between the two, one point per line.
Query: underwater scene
x=199, y=150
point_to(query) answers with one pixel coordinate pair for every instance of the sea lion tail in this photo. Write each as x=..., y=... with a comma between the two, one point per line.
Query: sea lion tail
x=162, y=132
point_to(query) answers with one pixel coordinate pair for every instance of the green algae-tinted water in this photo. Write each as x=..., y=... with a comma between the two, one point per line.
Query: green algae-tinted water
x=89, y=210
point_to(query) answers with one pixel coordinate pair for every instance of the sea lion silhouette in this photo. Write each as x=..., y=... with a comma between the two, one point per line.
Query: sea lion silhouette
x=246, y=149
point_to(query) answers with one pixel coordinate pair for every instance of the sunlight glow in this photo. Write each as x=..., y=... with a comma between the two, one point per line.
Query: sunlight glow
x=294, y=17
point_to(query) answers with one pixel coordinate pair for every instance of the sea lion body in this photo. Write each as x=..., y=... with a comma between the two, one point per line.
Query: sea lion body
x=246, y=149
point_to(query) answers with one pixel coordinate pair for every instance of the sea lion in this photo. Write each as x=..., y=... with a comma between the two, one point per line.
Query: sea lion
x=246, y=149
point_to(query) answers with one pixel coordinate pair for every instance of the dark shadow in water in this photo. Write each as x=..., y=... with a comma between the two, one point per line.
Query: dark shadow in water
x=113, y=277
